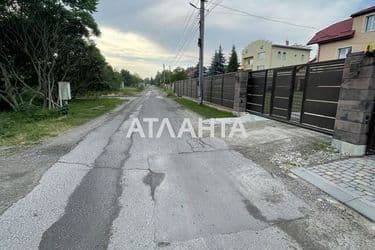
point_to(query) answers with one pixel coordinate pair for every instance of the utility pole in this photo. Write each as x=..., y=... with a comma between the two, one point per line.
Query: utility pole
x=201, y=51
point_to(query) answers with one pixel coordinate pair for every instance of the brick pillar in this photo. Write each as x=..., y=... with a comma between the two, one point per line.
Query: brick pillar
x=240, y=91
x=355, y=105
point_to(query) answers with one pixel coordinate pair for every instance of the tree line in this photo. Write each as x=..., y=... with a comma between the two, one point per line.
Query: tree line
x=218, y=66
x=167, y=76
x=43, y=42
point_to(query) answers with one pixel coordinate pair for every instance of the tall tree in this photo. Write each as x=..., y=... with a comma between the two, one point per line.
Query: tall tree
x=129, y=78
x=221, y=61
x=214, y=63
x=233, y=64
x=217, y=63
x=178, y=74
x=37, y=35
x=126, y=76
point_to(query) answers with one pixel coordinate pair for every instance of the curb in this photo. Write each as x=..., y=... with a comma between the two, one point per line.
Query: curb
x=350, y=199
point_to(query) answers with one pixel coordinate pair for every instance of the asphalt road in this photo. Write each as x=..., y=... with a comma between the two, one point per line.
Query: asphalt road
x=113, y=192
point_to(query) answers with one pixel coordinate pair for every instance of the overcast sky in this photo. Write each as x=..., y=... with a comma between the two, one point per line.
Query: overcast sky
x=141, y=35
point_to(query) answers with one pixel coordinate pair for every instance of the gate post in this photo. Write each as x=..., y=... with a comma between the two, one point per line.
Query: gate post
x=355, y=105
x=240, y=91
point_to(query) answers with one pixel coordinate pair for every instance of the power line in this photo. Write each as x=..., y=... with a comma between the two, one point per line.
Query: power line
x=214, y=5
x=181, y=53
x=271, y=19
x=186, y=46
x=187, y=23
x=186, y=42
x=188, y=28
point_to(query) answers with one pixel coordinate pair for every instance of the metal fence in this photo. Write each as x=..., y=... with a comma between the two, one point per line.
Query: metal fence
x=303, y=94
x=217, y=89
x=371, y=133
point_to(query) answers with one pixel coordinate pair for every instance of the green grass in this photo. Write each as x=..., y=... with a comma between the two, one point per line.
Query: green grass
x=169, y=93
x=18, y=129
x=323, y=146
x=127, y=91
x=203, y=110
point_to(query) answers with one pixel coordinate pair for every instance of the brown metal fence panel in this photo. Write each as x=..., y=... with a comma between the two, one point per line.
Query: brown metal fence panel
x=321, y=94
x=181, y=88
x=177, y=88
x=195, y=87
x=185, y=88
x=229, y=81
x=207, y=88
x=216, y=89
x=282, y=92
x=256, y=89
x=191, y=83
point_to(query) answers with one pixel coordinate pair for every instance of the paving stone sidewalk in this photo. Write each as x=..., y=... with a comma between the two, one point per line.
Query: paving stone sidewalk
x=355, y=174
x=351, y=181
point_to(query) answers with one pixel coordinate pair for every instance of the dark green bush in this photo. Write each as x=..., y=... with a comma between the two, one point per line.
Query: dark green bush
x=30, y=112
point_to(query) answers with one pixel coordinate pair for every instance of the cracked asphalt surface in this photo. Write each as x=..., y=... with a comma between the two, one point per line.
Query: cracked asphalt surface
x=113, y=192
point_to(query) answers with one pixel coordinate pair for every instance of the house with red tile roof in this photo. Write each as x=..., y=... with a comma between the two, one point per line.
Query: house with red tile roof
x=351, y=35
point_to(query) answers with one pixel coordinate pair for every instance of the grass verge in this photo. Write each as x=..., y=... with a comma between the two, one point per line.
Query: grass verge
x=203, y=110
x=20, y=129
x=127, y=91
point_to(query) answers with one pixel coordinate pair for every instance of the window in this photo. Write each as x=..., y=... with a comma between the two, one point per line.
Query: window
x=302, y=58
x=279, y=55
x=248, y=61
x=261, y=55
x=370, y=23
x=343, y=52
x=251, y=61
x=260, y=67
x=284, y=56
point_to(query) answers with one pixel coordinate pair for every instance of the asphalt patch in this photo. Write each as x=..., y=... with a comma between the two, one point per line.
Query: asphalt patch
x=153, y=179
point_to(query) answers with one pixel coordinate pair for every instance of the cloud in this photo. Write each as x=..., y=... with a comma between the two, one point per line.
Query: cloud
x=132, y=51
x=144, y=34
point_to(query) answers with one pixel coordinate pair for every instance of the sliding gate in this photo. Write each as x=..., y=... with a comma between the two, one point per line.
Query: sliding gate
x=282, y=92
x=321, y=94
x=305, y=95
x=256, y=91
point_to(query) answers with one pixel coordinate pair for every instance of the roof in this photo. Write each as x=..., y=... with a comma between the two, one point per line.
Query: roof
x=291, y=47
x=338, y=31
x=364, y=12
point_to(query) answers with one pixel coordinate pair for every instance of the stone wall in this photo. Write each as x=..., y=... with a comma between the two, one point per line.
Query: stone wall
x=355, y=105
x=240, y=91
